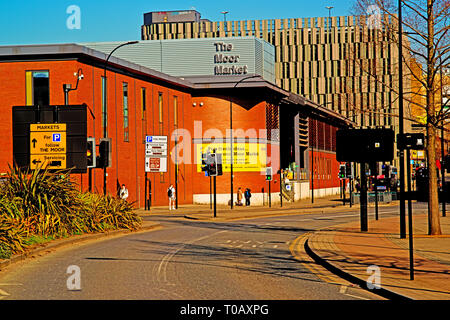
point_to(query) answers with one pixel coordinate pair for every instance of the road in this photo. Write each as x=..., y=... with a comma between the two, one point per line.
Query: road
x=188, y=260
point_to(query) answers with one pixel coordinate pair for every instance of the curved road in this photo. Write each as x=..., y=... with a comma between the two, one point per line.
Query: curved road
x=188, y=260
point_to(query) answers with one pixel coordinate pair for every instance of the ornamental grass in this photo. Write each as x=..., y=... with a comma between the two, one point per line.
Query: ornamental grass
x=43, y=204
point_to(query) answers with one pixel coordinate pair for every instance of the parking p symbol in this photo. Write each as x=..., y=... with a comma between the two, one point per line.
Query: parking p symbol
x=56, y=137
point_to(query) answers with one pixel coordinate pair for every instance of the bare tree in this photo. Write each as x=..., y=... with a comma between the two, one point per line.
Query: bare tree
x=426, y=49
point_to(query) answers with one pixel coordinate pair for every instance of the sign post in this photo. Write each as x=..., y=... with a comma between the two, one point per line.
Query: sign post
x=48, y=146
x=156, y=154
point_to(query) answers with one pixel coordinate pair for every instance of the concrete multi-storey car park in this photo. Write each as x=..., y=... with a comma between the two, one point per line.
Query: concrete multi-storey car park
x=142, y=101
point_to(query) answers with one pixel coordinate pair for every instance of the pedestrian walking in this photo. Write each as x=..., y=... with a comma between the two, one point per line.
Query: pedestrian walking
x=247, y=195
x=171, y=195
x=239, y=197
x=123, y=192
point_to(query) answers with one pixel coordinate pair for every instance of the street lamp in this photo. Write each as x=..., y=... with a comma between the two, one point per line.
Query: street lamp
x=105, y=113
x=329, y=12
x=224, y=16
x=401, y=129
x=231, y=137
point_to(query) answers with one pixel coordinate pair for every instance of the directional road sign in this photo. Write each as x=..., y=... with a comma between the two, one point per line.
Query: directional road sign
x=48, y=145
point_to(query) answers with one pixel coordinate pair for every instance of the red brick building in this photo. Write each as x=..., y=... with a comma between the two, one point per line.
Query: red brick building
x=142, y=102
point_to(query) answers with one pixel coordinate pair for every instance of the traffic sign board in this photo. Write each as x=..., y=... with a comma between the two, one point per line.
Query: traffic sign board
x=48, y=145
x=51, y=161
x=156, y=154
x=155, y=164
x=47, y=142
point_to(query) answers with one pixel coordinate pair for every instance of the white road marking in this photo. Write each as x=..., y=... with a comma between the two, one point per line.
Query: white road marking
x=162, y=268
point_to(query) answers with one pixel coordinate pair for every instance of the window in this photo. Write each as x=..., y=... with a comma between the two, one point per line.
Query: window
x=37, y=88
x=104, y=111
x=175, y=112
x=160, y=112
x=126, y=132
x=144, y=113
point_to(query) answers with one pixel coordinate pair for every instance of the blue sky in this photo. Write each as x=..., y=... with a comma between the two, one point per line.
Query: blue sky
x=44, y=21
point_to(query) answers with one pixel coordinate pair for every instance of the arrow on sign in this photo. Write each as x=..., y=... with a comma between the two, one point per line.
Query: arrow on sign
x=34, y=142
x=36, y=161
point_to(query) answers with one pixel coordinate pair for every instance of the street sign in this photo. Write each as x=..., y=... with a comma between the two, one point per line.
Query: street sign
x=155, y=164
x=52, y=161
x=156, y=154
x=48, y=145
x=365, y=145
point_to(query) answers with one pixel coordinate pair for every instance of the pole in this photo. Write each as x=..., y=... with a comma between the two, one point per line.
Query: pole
x=263, y=195
x=176, y=174
x=210, y=192
x=231, y=138
x=363, y=198
x=105, y=110
x=149, y=194
x=90, y=179
x=410, y=222
x=270, y=196
x=215, y=202
x=145, y=192
x=401, y=129
x=444, y=196
x=343, y=191
x=312, y=172
x=281, y=191
x=351, y=191
x=376, y=198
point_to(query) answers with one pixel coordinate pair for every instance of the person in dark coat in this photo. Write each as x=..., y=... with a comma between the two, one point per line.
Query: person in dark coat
x=247, y=195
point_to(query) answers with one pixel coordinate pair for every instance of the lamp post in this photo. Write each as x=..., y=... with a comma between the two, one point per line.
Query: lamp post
x=224, y=16
x=231, y=138
x=105, y=110
x=329, y=12
x=401, y=129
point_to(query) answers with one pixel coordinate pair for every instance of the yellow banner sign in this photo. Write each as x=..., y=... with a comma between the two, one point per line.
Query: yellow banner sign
x=248, y=157
x=47, y=142
x=48, y=127
x=51, y=161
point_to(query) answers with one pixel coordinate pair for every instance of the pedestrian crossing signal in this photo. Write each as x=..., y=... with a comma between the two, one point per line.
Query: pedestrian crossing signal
x=342, y=171
x=269, y=174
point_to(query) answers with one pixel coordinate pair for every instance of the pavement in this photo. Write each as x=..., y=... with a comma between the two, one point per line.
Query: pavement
x=378, y=258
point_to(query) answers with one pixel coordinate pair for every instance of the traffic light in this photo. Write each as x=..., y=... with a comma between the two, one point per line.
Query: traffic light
x=219, y=164
x=342, y=171
x=386, y=171
x=348, y=170
x=205, y=164
x=269, y=174
x=412, y=141
x=90, y=153
x=103, y=160
x=212, y=165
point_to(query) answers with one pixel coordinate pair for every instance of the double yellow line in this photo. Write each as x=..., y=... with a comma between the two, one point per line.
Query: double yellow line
x=298, y=252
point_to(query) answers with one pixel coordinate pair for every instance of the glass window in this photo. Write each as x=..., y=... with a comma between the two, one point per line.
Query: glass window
x=37, y=88
x=160, y=112
x=126, y=132
x=175, y=111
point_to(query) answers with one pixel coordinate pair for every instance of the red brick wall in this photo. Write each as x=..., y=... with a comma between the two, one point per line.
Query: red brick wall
x=215, y=113
x=128, y=156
